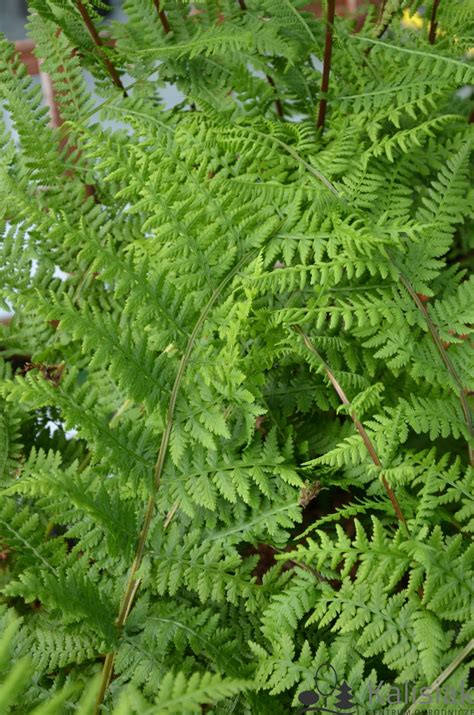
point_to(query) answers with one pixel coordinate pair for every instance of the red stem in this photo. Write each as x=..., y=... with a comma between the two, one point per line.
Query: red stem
x=463, y=395
x=326, y=62
x=379, y=27
x=98, y=41
x=162, y=15
x=433, y=23
x=278, y=104
x=358, y=425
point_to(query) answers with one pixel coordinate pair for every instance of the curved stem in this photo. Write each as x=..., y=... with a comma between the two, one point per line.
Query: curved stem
x=358, y=425
x=133, y=582
x=446, y=360
x=309, y=168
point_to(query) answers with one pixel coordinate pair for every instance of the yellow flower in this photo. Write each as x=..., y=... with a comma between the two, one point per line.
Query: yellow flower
x=414, y=21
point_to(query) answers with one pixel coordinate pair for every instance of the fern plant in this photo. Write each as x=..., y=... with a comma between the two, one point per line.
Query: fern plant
x=235, y=418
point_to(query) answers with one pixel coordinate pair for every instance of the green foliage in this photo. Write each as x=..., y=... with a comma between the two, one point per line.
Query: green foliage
x=236, y=442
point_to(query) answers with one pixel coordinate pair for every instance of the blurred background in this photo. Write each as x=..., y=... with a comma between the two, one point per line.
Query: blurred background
x=13, y=17
x=13, y=14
